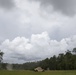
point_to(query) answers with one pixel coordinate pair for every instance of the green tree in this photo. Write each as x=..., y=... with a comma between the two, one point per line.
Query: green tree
x=1, y=56
x=74, y=50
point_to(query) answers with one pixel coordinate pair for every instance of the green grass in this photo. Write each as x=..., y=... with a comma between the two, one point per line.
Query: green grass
x=37, y=73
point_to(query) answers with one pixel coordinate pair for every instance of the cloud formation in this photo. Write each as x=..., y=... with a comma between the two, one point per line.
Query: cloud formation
x=66, y=7
x=7, y=4
x=38, y=47
x=29, y=20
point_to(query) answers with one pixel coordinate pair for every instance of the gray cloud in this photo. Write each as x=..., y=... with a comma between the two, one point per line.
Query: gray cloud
x=7, y=4
x=27, y=19
x=15, y=23
x=66, y=7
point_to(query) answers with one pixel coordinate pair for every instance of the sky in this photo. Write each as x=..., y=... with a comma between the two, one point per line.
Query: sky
x=32, y=30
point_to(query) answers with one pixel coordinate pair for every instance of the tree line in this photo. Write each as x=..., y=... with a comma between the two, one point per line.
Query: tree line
x=64, y=61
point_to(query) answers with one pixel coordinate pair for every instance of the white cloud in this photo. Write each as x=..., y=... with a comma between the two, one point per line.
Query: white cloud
x=29, y=19
x=38, y=47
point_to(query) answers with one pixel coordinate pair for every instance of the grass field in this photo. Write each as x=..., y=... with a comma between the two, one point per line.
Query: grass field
x=37, y=73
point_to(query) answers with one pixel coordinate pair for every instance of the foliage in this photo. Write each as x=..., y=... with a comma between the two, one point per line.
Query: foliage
x=1, y=55
x=63, y=61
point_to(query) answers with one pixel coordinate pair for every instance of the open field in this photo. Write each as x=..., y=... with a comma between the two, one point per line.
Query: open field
x=37, y=73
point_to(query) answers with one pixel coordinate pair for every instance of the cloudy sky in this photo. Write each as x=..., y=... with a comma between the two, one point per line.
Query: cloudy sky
x=32, y=30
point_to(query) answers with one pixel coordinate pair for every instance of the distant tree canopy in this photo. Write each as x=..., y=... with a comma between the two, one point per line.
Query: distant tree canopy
x=64, y=61
x=74, y=50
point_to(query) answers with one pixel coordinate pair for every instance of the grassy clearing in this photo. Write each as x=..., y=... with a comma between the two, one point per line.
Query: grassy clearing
x=37, y=73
